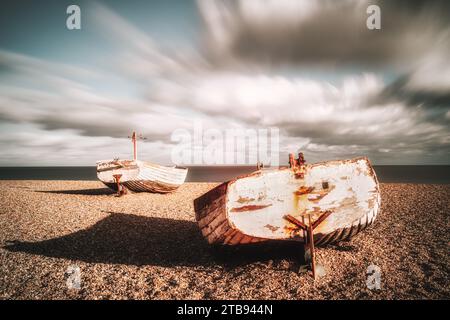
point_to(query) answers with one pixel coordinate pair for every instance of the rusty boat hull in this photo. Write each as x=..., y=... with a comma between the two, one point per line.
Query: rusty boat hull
x=253, y=208
x=140, y=176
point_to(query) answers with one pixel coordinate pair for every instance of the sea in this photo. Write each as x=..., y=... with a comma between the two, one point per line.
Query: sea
x=387, y=174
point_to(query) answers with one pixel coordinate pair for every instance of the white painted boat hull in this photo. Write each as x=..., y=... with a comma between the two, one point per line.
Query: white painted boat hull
x=253, y=208
x=141, y=176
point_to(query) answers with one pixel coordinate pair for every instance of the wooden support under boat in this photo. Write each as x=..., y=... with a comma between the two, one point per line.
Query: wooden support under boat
x=311, y=247
x=310, y=238
x=121, y=189
x=117, y=179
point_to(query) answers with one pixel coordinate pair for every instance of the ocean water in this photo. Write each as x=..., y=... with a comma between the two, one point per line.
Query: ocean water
x=393, y=174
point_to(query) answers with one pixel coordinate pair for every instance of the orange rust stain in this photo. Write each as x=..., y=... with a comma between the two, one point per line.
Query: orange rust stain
x=299, y=171
x=321, y=193
x=300, y=201
x=304, y=190
x=271, y=227
x=245, y=199
x=251, y=207
x=291, y=229
x=293, y=232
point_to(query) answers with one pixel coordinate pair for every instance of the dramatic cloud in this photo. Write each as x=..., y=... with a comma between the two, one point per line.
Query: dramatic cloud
x=323, y=31
x=383, y=93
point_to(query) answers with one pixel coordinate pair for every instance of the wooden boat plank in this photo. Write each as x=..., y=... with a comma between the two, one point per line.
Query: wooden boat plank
x=217, y=233
x=215, y=223
x=218, y=211
x=236, y=239
x=204, y=204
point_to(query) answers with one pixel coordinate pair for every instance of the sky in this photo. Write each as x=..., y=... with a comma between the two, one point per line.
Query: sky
x=310, y=68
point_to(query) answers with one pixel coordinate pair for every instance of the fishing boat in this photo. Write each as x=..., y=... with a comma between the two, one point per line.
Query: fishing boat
x=139, y=176
x=320, y=203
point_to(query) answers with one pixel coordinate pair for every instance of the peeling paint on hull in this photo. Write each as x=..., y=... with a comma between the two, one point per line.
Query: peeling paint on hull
x=141, y=176
x=252, y=208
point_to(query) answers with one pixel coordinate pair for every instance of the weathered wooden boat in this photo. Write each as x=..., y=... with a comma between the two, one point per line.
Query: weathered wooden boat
x=140, y=176
x=332, y=200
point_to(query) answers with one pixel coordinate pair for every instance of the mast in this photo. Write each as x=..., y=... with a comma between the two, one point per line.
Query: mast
x=134, y=138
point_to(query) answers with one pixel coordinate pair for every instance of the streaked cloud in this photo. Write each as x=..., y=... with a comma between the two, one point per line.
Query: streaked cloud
x=323, y=31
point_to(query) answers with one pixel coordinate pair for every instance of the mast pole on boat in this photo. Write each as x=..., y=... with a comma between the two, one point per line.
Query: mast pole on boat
x=133, y=138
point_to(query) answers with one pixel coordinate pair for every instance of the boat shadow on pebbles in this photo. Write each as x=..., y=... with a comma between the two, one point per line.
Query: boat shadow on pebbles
x=88, y=192
x=129, y=239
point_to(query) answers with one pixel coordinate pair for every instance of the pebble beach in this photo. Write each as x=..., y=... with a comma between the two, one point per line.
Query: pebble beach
x=148, y=246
